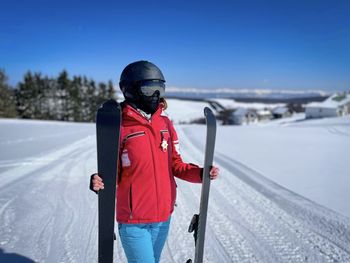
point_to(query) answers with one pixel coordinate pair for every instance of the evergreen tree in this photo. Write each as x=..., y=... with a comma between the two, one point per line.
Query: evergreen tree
x=39, y=96
x=25, y=97
x=32, y=97
x=7, y=102
x=48, y=104
x=60, y=98
x=76, y=99
x=85, y=111
x=63, y=88
x=92, y=100
x=110, y=90
x=102, y=93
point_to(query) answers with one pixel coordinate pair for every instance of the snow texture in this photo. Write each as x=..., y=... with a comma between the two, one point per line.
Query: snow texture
x=181, y=111
x=282, y=195
x=232, y=104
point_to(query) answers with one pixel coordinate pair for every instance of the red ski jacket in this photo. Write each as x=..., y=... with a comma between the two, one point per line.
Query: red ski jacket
x=148, y=161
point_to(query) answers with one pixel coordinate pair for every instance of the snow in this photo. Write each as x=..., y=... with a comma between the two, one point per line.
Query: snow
x=280, y=110
x=240, y=112
x=232, y=104
x=282, y=195
x=185, y=111
x=311, y=161
x=333, y=101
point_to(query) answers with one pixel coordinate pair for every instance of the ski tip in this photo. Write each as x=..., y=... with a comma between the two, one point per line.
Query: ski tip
x=209, y=114
x=207, y=111
x=109, y=104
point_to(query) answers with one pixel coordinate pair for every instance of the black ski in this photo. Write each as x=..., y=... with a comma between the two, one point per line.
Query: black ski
x=108, y=122
x=198, y=222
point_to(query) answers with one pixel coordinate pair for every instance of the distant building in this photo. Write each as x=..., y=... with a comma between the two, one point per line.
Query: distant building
x=335, y=106
x=281, y=112
x=244, y=116
x=264, y=114
x=296, y=107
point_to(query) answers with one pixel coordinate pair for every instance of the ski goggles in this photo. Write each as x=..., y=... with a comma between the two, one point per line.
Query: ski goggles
x=149, y=87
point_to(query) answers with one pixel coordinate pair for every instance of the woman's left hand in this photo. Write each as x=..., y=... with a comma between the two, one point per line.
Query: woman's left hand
x=214, y=172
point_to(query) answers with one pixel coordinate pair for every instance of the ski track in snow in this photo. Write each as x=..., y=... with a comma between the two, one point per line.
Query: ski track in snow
x=48, y=214
x=277, y=224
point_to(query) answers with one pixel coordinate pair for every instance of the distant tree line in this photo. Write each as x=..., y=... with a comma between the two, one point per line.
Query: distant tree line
x=63, y=98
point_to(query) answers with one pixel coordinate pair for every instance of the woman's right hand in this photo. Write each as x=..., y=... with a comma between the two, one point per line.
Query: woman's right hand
x=96, y=183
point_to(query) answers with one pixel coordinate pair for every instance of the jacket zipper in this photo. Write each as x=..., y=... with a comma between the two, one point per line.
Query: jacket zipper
x=130, y=201
x=129, y=136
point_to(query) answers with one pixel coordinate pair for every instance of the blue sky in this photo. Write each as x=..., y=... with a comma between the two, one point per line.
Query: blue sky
x=218, y=44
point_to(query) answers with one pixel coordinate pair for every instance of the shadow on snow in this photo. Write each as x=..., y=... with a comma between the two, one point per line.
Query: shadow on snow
x=13, y=258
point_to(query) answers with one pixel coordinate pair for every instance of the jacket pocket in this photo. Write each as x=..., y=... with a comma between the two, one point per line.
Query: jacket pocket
x=133, y=135
x=131, y=145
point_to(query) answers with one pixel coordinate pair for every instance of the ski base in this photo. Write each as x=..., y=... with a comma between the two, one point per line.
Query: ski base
x=108, y=122
x=198, y=222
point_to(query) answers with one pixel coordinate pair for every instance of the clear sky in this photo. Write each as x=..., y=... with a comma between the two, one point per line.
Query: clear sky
x=282, y=44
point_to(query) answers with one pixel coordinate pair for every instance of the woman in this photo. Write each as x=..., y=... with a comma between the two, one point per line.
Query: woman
x=149, y=160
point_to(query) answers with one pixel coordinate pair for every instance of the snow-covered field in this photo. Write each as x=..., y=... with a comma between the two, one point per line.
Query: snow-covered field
x=232, y=104
x=282, y=195
x=185, y=111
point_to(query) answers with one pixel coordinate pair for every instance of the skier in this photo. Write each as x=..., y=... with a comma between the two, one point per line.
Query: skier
x=149, y=158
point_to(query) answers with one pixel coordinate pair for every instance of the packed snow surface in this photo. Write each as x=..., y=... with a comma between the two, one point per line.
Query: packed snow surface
x=282, y=195
x=181, y=111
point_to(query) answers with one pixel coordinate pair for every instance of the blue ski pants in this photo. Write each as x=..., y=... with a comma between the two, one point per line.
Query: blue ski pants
x=143, y=243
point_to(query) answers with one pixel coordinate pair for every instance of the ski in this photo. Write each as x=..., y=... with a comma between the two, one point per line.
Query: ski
x=108, y=121
x=198, y=222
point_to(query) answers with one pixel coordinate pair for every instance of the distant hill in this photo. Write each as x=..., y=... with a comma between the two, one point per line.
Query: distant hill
x=247, y=95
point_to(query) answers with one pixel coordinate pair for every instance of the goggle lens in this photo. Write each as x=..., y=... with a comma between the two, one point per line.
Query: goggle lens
x=148, y=88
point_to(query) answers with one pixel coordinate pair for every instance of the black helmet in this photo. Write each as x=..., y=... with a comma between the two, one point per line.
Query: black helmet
x=142, y=84
x=141, y=70
x=136, y=72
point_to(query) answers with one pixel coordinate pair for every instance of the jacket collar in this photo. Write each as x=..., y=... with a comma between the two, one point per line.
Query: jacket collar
x=132, y=114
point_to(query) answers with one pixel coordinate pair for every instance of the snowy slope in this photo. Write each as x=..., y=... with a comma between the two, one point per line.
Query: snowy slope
x=232, y=104
x=265, y=207
x=185, y=111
